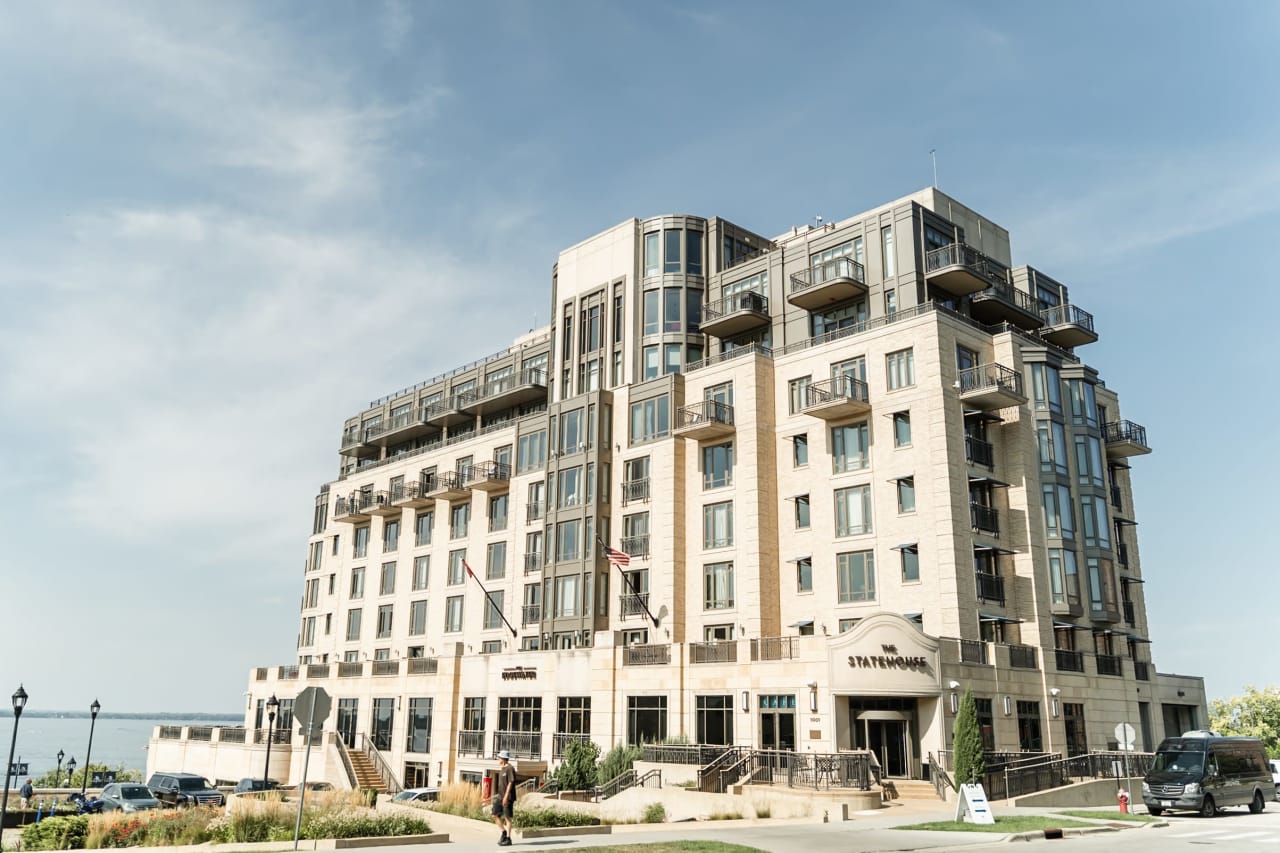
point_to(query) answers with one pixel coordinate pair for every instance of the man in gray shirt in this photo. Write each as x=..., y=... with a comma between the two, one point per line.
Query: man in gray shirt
x=504, y=797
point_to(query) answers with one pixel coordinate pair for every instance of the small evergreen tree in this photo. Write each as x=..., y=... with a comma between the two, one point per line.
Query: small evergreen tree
x=578, y=771
x=967, y=743
x=617, y=761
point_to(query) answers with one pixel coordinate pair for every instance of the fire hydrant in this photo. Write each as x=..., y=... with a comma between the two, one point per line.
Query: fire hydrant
x=1123, y=796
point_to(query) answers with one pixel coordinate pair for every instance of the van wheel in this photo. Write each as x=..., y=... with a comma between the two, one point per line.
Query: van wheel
x=1258, y=804
x=1207, y=807
x=1154, y=812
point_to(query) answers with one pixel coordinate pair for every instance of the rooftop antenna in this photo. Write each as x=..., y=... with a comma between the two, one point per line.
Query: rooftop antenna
x=933, y=155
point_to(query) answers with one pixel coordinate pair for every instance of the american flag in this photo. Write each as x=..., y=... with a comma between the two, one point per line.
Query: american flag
x=621, y=559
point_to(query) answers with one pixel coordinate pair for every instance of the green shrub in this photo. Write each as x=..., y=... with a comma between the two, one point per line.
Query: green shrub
x=355, y=825
x=725, y=816
x=56, y=833
x=969, y=761
x=654, y=813
x=180, y=826
x=578, y=771
x=548, y=818
x=617, y=761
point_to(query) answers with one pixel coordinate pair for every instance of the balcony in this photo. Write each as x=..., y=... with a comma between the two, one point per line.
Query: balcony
x=635, y=546
x=1022, y=657
x=961, y=270
x=990, y=588
x=471, y=743
x=533, y=562
x=406, y=426
x=634, y=604
x=380, y=503
x=518, y=389
x=519, y=744
x=530, y=614
x=445, y=486
x=991, y=386
x=350, y=510
x=1067, y=326
x=1004, y=303
x=973, y=651
x=646, y=655
x=1069, y=661
x=774, y=648
x=491, y=477
x=355, y=444
x=836, y=399
x=424, y=666
x=317, y=670
x=984, y=519
x=410, y=495
x=386, y=667
x=735, y=314
x=1125, y=438
x=535, y=511
x=706, y=420
x=1110, y=665
x=822, y=285
x=448, y=412
x=723, y=652
x=351, y=669
x=1130, y=616
x=979, y=452
x=635, y=490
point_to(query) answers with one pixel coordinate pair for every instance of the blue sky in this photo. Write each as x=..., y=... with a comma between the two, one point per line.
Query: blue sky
x=225, y=227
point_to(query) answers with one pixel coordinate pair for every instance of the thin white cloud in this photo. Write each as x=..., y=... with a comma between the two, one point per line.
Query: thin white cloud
x=396, y=22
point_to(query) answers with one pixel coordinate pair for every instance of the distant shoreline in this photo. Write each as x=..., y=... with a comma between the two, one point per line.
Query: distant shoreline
x=141, y=715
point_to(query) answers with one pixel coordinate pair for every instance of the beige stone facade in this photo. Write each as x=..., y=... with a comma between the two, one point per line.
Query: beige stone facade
x=857, y=469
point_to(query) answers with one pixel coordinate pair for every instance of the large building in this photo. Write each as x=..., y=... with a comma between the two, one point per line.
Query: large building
x=854, y=470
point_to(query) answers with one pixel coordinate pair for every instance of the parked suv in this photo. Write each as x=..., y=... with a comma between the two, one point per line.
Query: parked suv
x=184, y=789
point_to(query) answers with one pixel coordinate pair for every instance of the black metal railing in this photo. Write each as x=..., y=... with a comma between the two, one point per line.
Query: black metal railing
x=646, y=655
x=424, y=666
x=979, y=452
x=941, y=780
x=710, y=777
x=402, y=492
x=708, y=411
x=973, y=651
x=627, y=779
x=471, y=742
x=1019, y=780
x=835, y=269
x=818, y=771
x=990, y=587
x=1069, y=661
x=635, y=490
x=1022, y=657
x=481, y=472
x=532, y=562
x=503, y=384
x=986, y=377
x=1142, y=670
x=276, y=735
x=959, y=254
x=774, y=648
x=519, y=744
x=560, y=741
x=699, y=754
x=713, y=652
x=747, y=300
x=985, y=518
x=634, y=603
x=1063, y=315
x=635, y=546
x=1010, y=295
x=531, y=614
x=840, y=389
x=1122, y=431
x=1109, y=664
x=443, y=481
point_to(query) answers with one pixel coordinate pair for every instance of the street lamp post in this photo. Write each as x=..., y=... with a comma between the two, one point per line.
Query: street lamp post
x=71, y=770
x=88, y=753
x=58, y=776
x=273, y=705
x=19, y=702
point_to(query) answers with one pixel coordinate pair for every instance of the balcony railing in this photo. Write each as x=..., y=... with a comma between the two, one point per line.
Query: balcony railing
x=1125, y=438
x=774, y=648
x=707, y=419
x=1004, y=303
x=533, y=562
x=519, y=744
x=351, y=669
x=990, y=377
x=635, y=490
x=646, y=655
x=985, y=519
x=837, y=398
x=1069, y=661
x=1110, y=665
x=471, y=743
x=722, y=652
x=488, y=476
x=531, y=614
x=1067, y=325
x=1142, y=670
x=990, y=587
x=386, y=667
x=424, y=666
x=979, y=452
x=286, y=673
x=826, y=283
x=961, y=269
x=1022, y=657
x=635, y=546
x=735, y=314
x=560, y=741
x=973, y=651
x=317, y=670
x=535, y=511
x=634, y=603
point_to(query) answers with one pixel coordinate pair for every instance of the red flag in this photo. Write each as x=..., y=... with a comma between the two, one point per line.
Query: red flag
x=621, y=559
x=470, y=573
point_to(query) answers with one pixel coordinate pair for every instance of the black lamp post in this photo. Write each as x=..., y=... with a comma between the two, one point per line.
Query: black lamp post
x=71, y=770
x=19, y=702
x=93, y=721
x=273, y=705
x=58, y=776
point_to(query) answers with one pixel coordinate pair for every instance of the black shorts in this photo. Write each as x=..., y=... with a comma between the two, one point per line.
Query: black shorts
x=500, y=810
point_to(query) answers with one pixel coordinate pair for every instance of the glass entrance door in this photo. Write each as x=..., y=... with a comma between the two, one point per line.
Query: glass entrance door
x=888, y=740
x=778, y=722
x=347, y=710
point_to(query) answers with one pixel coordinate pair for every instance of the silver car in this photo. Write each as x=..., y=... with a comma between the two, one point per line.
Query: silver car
x=128, y=797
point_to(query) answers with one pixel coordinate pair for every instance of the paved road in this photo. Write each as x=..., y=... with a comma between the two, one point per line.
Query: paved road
x=1233, y=830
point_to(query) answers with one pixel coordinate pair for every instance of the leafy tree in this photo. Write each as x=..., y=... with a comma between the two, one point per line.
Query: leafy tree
x=51, y=780
x=1255, y=714
x=967, y=744
x=578, y=771
x=617, y=761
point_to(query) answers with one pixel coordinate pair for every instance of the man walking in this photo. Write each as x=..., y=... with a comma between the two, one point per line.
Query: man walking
x=504, y=797
x=26, y=792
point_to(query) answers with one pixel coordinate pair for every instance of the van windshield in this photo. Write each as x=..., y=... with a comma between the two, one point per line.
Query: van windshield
x=1179, y=762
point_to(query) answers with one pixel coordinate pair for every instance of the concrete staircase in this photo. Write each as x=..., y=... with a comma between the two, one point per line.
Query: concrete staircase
x=913, y=789
x=366, y=774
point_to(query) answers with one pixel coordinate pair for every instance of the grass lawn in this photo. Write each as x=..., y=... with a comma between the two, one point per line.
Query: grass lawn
x=1016, y=823
x=1111, y=815
x=678, y=847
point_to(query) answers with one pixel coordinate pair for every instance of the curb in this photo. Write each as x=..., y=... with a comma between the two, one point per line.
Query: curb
x=1039, y=834
x=562, y=831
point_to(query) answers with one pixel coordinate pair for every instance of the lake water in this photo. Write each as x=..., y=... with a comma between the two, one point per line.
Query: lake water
x=116, y=741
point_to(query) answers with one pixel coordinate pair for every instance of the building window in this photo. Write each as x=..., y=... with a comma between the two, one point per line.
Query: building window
x=717, y=525
x=495, y=565
x=901, y=429
x=652, y=324
x=353, y=624
x=853, y=510
x=849, y=446
x=717, y=583
x=453, y=614
x=717, y=466
x=714, y=719
x=457, y=567
x=1029, y=727
x=384, y=621
x=890, y=301
x=646, y=719
x=693, y=261
x=360, y=543
x=651, y=258
x=856, y=576
x=798, y=393
x=906, y=494
x=1084, y=402
x=1073, y=722
x=531, y=451
x=800, y=450
x=1046, y=387
x=649, y=361
x=804, y=574
x=493, y=609
x=421, y=572
x=417, y=618
x=459, y=520
x=671, y=250
x=1059, y=514
x=497, y=513
x=910, y=563
x=569, y=487
x=387, y=581
x=901, y=367
x=802, y=512
x=422, y=525
x=567, y=595
x=650, y=419
x=390, y=536
x=846, y=625
x=308, y=631
x=886, y=245
x=357, y=583
x=568, y=540
x=1064, y=580
x=572, y=438
x=986, y=723
x=418, y=728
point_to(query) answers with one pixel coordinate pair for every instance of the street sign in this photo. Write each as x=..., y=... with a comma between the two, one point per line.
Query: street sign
x=310, y=710
x=972, y=805
x=18, y=769
x=1125, y=735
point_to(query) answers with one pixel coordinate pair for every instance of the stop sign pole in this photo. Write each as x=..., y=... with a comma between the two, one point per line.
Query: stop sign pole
x=314, y=709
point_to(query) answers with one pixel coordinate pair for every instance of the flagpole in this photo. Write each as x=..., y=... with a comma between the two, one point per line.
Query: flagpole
x=631, y=582
x=489, y=598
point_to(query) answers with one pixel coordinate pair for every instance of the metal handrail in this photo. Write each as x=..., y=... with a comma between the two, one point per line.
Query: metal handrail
x=708, y=411
x=964, y=255
x=973, y=651
x=1109, y=664
x=986, y=376
x=519, y=744
x=1015, y=781
x=488, y=471
x=1069, y=660
x=941, y=781
x=533, y=562
x=979, y=452
x=725, y=651
x=747, y=300
x=646, y=655
x=984, y=518
x=532, y=342
x=531, y=614
x=709, y=777
x=829, y=270
x=635, y=546
x=424, y=666
x=990, y=587
x=1010, y=295
x=633, y=603
x=635, y=490
x=471, y=742
x=774, y=648
x=736, y=352
x=1061, y=315
x=1023, y=657
x=380, y=764
x=1125, y=431
x=839, y=388
x=336, y=740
